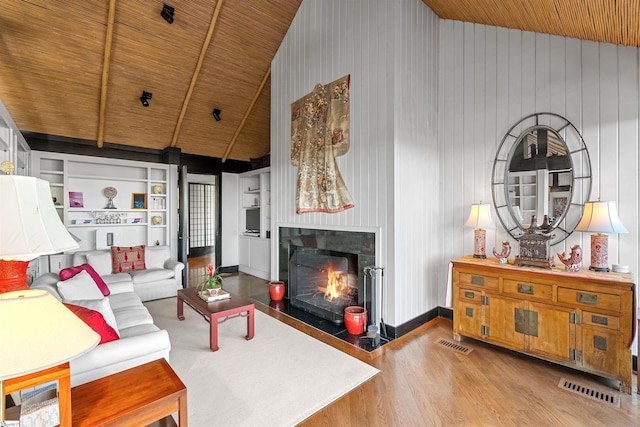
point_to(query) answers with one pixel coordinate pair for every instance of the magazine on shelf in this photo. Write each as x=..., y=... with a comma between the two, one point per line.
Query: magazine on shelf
x=222, y=294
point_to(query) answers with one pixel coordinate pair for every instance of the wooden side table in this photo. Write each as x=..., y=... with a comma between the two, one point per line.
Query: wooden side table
x=136, y=397
x=58, y=373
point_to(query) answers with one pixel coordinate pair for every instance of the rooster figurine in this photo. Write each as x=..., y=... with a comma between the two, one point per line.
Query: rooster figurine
x=504, y=255
x=575, y=259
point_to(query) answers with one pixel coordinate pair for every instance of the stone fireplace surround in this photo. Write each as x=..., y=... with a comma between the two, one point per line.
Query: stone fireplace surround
x=362, y=243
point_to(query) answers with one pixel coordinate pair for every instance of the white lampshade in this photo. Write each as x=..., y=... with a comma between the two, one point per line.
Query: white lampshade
x=29, y=224
x=38, y=332
x=480, y=217
x=601, y=217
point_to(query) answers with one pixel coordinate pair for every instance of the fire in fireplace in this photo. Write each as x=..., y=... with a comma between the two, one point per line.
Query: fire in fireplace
x=323, y=282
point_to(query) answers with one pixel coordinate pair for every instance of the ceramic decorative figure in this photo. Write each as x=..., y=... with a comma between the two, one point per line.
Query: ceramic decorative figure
x=503, y=256
x=575, y=259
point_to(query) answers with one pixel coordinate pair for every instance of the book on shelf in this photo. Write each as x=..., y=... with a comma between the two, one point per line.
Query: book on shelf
x=222, y=294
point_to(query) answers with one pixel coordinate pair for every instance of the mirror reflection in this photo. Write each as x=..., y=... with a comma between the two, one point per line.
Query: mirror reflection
x=539, y=178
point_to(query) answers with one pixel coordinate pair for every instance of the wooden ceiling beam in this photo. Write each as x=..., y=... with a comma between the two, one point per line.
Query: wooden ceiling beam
x=246, y=114
x=196, y=72
x=106, y=63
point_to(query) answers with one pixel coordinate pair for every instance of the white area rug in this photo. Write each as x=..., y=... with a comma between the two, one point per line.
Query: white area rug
x=278, y=378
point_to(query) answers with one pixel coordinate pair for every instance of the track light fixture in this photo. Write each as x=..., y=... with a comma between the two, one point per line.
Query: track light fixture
x=216, y=114
x=144, y=99
x=167, y=13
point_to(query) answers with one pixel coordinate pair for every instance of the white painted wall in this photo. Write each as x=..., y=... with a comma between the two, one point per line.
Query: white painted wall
x=391, y=168
x=415, y=166
x=230, y=211
x=491, y=77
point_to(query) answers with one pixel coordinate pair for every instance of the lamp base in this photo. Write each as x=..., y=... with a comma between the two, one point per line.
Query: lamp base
x=479, y=243
x=599, y=252
x=13, y=276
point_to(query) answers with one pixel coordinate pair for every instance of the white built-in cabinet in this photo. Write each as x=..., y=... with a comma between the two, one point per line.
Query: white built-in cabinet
x=78, y=186
x=255, y=223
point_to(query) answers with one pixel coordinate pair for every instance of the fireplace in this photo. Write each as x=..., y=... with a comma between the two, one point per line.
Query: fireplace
x=324, y=270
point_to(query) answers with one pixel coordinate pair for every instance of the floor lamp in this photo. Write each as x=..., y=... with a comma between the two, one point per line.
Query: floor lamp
x=36, y=331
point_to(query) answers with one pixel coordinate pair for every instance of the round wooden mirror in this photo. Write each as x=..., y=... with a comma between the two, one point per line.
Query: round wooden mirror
x=541, y=169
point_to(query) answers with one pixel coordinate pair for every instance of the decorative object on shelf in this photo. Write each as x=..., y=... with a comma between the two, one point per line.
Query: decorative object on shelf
x=574, y=261
x=534, y=247
x=110, y=193
x=7, y=167
x=600, y=217
x=355, y=319
x=157, y=189
x=108, y=218
x=156, y=220
x=76, y=199
x=213, y=281
x=276, y=290
x=479, y=219
x=138, y=200
x=503, y=256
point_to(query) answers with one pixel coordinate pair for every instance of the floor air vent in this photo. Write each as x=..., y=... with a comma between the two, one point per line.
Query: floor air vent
x=598, y=395
x=454, y=346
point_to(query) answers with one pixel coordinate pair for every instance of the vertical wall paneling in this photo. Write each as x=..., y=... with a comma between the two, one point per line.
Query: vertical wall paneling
x=595, y=85
x=388, y=53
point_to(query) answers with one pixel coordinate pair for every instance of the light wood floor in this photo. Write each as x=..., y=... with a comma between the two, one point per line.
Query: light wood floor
x=422, y=383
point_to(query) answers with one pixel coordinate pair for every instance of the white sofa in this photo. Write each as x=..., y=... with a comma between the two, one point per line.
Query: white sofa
x=161, y=279
x=140, y=340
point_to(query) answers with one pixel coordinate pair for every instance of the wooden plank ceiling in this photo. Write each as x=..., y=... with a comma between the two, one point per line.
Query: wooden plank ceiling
x=78, y=68
x=609, y=21
x=61, y=59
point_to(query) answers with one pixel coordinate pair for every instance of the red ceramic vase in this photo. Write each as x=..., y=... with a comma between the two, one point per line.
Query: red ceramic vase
x=355, y=319
x=276, y=290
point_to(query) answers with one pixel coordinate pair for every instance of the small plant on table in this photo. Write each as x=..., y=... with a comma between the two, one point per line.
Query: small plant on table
x=213, y=283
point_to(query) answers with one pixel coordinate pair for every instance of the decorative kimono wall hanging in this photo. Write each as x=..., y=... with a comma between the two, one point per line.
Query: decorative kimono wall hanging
x=320, y=133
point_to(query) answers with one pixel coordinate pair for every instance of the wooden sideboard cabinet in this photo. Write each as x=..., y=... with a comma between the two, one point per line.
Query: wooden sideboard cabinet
x=584, y=320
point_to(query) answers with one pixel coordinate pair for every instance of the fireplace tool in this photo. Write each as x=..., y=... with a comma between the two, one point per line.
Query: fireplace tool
x=372, y=329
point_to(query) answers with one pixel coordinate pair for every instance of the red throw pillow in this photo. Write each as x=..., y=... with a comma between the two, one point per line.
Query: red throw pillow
x=95, y=321
x=68, y=273
x=129, y=258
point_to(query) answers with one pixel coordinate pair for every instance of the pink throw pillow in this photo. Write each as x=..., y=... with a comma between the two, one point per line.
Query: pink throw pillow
x=129, y=258
x=95, y=321
x=68, y=273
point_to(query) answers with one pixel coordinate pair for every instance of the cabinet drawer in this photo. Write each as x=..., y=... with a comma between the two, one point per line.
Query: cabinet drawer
x=470, y=295
x=536, y=290
x=488, y=282
x=597, y=319
x=589, y=299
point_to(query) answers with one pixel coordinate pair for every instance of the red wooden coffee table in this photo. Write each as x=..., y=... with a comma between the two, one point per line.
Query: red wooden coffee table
x=216, y=312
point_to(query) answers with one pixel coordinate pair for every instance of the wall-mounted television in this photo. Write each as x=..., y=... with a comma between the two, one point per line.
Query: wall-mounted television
x=252, y=220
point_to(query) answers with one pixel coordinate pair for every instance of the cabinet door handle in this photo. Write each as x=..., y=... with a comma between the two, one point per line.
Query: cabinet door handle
x=468, y=294
x=587, y=298
x=525, y=289
x=477, y=280
x=600, y=320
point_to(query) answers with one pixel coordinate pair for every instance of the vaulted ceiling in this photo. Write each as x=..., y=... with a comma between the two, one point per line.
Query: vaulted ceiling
x=77, y=69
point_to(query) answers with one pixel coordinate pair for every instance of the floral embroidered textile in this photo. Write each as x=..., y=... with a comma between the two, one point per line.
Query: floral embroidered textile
x=320, y=133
